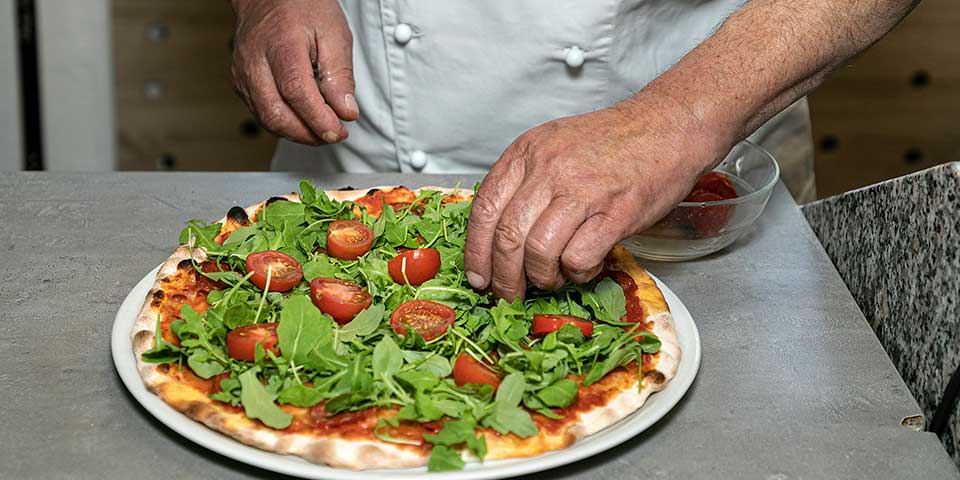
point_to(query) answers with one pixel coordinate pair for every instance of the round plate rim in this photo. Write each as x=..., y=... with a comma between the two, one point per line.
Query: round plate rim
x=656, y=407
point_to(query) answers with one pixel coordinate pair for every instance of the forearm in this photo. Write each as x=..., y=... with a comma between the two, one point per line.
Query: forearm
x=765, y=56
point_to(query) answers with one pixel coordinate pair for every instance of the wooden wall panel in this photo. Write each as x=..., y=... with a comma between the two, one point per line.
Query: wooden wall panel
x=175, y=106
x=894, y=110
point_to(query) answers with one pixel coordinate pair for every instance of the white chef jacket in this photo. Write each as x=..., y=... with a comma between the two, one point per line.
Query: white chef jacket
x=444, y=86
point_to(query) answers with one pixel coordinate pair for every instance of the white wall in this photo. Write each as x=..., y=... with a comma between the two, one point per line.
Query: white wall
x=11, y=140
x=76, y=77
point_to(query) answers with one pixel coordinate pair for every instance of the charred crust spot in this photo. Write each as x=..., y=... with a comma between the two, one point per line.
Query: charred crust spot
x=185, y=264
x=275, y=199
x=238, y=214
x=158, y=294
x=197, y=410
x=346, y=188
x=655, y=377
x=373, y=191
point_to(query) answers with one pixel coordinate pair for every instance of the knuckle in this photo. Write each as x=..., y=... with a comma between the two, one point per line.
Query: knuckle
x=537, y=249
x=484, y=209
x=271, y=118
x=508, y=237
x=577, y=262
x=292, y=88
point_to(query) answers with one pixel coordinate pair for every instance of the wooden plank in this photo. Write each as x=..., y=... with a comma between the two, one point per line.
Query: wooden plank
x=173, y=91
x=894, y=110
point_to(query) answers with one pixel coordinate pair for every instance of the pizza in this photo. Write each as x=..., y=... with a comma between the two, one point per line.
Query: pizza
x=338, y=326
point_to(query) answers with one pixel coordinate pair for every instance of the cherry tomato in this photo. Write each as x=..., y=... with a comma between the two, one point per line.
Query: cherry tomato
x=429, y=319
x=708, y=220
x=717, y=183
x=340, y=299
x=348, y=239
x=420, y=264
x=242, y=341
x=285, y=271
x=467, y=370
x=544, y=324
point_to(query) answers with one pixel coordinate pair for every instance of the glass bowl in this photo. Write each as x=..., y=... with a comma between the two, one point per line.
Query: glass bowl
x=695, y=229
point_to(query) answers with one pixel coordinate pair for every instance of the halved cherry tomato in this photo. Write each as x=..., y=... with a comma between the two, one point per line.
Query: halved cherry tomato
x=429, y=319
x=468, y=370
x=242, y=341
x=348, y=239
x=420, y=264
x=544, y=324
x=340, y=299
x=285, y=271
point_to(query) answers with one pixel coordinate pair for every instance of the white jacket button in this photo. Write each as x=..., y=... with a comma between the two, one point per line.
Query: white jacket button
x=402, y=33
x=417, y=160
x=574, y=57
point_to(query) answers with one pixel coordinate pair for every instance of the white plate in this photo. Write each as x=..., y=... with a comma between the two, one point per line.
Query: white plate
x=655, y=408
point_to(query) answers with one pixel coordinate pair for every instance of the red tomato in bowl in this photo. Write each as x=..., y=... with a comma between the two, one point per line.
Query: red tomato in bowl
x=708, y=220
x=717, y=183
x=242, y=341
x=284, y=271
x=428, y=319
x=419, y=264
x=468, y=370
x=544, y=324
x=340, y=299
x=348, y=239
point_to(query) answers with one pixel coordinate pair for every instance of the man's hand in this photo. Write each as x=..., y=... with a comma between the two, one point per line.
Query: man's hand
x=276, y=46
x=564, y=193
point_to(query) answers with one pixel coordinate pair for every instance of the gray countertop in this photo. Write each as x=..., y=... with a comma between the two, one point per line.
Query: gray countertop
x=793, y=382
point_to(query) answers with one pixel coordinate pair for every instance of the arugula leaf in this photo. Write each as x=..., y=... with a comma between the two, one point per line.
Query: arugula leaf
x=387, y=358
x=511, y=389
x=457, y=432
x=280, y=212
x=308, y=194
x=301, y=327
x=162, y=351
x=320, y=266
x=559, y=395
x=611, y=304
x=258, y=401
x=419, y=380
x=300, y=396
x=506, y=419
x=649, y=343
x=229, y=391
x=443, y=459
x=204, y=365
x=365, y=323
x=240, y=235
x=601, y=369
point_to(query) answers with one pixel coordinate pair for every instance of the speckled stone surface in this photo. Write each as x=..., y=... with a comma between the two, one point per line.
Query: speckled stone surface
x=897, y=247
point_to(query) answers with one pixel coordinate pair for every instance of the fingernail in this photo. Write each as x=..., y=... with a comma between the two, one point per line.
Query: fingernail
x=475, y=280
x=351, y=102
x=330, y=137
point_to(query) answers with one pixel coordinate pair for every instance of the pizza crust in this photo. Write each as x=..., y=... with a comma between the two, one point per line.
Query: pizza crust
x=359, y=454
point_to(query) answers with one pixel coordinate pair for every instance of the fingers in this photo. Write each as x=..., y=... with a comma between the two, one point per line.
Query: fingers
x=295, y=82
x=548, y=238
x=510, y=239
x=582, y=259
x=335, y=66
x=496, y=190
x=261, y=95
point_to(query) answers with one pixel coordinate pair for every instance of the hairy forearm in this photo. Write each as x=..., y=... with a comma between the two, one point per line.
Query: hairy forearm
x=765, y=56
